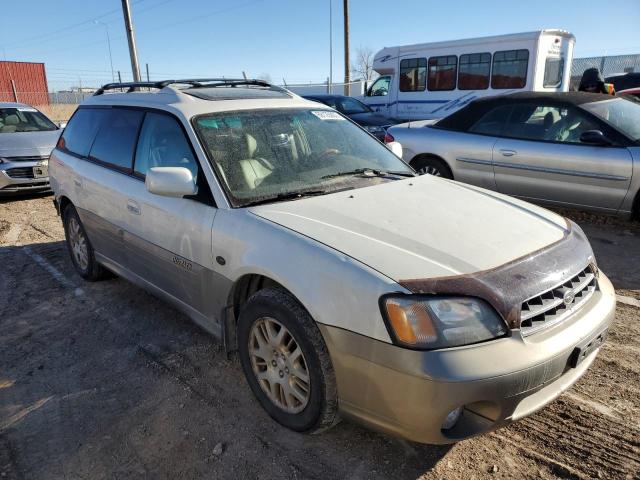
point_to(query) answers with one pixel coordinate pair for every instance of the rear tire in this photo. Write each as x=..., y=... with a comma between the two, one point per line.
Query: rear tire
x=431, y=165
x=289, y=371
x=80, y=249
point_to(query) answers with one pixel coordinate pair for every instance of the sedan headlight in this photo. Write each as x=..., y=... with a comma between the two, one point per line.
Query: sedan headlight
x=429, y=323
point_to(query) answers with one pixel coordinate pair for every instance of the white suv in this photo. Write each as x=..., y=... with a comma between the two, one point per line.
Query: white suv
x=350, y=287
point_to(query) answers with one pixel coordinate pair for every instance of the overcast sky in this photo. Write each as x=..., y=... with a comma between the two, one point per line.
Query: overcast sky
x=281, y=38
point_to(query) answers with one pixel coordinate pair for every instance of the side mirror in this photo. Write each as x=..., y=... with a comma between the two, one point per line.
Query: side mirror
x=594, y=137
x=396, y=148
x=170, y=182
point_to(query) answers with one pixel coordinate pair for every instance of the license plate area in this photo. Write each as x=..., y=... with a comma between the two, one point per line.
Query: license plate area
x=586, y=348
x=40, y=171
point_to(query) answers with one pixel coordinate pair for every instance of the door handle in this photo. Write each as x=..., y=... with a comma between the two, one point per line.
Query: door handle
x=133, y=207
x=77, y=183
x=508, y=153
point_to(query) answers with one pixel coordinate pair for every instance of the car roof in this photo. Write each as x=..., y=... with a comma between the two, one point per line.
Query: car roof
x=14, y=105
x=573, y=98
x=325, y=96
x=198, y=98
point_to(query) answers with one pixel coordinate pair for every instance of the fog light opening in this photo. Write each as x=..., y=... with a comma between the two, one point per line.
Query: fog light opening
x=452, y=418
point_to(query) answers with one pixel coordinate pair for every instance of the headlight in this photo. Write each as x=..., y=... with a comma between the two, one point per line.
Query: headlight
x=439, y=322
x=374, y=129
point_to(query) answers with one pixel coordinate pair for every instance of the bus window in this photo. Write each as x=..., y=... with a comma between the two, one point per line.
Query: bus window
x=442, y=72
x=380, y=87
x=553, y=70
x=510, y=69
x=474, y=71
x=413, y=73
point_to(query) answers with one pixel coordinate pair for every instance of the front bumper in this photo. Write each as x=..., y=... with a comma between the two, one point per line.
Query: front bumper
x=409, y=393
x=18, y=177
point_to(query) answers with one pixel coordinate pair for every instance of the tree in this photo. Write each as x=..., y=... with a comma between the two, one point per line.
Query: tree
x=363, y=65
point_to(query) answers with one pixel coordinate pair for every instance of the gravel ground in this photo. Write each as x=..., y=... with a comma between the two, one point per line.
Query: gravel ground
x=104, y=381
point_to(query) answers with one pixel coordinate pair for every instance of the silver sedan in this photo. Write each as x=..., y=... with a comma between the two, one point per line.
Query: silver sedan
x=27, y=137
x=578, y=150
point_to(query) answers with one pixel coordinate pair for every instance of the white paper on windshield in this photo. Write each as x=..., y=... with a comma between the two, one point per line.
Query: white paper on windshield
x=327, y=115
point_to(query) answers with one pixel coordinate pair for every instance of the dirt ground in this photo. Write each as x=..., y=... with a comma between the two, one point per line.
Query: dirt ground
x=104, y=381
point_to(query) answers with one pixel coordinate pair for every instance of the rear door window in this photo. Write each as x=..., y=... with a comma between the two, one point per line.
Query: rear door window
x=553, y=70
x=81, y=130
x=116, y=140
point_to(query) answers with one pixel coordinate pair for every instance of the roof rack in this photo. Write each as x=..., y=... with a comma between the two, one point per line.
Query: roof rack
x=194, y=82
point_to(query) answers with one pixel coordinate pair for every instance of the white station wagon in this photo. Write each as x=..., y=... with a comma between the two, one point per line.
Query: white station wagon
x=351, y=287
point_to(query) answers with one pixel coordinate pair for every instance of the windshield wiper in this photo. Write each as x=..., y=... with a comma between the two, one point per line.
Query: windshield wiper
x=285, y=196
x=370, y=172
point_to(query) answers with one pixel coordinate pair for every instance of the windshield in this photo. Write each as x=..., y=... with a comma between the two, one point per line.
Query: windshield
x=262, y=154
x=621, y=114
x=24, y=119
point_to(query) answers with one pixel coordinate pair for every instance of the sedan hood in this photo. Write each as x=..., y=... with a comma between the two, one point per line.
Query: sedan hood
x=422, y=227
x=28, y=144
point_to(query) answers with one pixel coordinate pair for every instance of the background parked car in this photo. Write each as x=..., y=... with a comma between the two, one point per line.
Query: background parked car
x=357, y=111
x=630, y=92
x=570, y=149
x=624, y=81
x=27, y=138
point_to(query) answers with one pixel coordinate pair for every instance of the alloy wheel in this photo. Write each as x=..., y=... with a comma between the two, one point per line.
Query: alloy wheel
x=279, y=365
x=78, y=243
x=430, y=170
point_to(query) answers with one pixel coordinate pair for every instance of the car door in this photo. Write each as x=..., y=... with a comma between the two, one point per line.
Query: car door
x=541, y=157
x=168, y=239
x=378, y=96
x=108, y=142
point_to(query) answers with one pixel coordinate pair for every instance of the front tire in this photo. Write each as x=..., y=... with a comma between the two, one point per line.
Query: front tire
x=286, y=362
x=80, y=249
x=430, y=165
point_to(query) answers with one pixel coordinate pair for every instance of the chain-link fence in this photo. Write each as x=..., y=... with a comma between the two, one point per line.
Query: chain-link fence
x=611, y=65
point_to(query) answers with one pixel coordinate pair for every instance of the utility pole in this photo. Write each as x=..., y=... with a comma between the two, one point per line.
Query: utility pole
x=147, y=71
x=126, y=10
x=347, y=89
x=330, y=81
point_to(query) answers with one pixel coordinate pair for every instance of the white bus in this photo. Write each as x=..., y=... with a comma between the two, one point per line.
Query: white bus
x=432, y=80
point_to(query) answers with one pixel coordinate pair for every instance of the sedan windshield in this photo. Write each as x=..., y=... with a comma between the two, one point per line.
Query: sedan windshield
x=623, y=115
x=24, y=119
x=284, y=154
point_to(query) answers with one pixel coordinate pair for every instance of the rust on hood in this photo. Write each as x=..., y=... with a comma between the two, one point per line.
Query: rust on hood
x=506, y=287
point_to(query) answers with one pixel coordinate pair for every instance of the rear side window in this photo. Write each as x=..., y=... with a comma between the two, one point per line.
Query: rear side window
x=553, y=69
x=474, y=71
x=115, y=142
x=413, y=75
x=442, y=72
x=81, y=130
x=492, y=122
x=510, y=69
x=163, y=144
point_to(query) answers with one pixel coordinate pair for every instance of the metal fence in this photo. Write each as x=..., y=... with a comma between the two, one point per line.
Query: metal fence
x=609, y=65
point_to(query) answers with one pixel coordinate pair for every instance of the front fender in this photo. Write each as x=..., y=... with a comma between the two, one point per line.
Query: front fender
x=335, y=289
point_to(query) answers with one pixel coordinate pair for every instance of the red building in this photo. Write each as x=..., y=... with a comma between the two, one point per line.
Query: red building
x=24, y=82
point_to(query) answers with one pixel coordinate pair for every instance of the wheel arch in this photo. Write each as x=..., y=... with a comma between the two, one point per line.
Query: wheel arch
x=433, y=156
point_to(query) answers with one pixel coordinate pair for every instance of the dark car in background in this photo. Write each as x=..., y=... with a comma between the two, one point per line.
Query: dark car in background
x=624, y=81
x=357, y=111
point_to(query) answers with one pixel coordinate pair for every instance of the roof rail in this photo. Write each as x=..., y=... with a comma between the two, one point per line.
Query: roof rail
x=194, y=82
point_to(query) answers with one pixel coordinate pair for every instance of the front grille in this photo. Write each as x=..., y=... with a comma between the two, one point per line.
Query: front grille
x=554, y=305
x=20, y=172
x=37, y=158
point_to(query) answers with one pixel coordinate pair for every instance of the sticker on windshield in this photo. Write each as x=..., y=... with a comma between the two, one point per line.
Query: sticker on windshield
x=327, y=115
x=26, y=109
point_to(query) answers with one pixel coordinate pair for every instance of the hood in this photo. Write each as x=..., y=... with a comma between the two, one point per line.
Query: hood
x=422, y=227
x=369, y=119
x=28, y=144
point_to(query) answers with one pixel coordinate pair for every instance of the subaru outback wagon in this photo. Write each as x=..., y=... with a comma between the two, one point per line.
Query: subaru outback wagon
x=350, y=287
